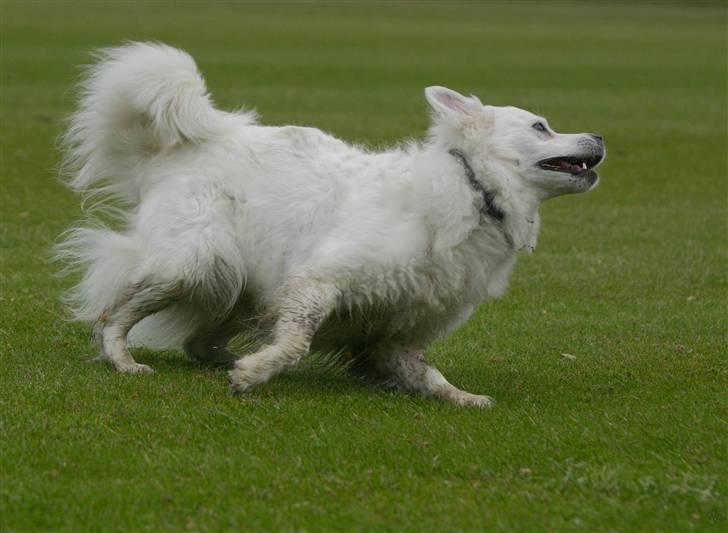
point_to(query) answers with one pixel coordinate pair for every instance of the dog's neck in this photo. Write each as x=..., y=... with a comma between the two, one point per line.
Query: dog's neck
x=519, y=227
x=488, y=206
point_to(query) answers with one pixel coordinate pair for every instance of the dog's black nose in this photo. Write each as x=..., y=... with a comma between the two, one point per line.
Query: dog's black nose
x=597, y=137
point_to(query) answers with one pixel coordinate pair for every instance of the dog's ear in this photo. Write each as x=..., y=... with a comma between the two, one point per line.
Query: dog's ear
x=453, y=106
x=464, y=113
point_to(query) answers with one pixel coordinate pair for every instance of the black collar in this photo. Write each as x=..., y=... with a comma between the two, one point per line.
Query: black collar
x=488, y=207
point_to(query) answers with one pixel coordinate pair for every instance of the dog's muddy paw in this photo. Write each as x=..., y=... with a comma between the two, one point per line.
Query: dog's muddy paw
x=472, y=400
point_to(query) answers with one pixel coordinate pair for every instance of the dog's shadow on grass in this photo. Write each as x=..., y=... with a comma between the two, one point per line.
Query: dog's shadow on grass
x=307, y=375
x=309, y=379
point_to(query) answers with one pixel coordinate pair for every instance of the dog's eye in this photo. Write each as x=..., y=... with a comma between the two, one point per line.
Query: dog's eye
x=540, y=126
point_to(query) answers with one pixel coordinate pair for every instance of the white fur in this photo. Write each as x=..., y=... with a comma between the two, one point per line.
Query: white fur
x=222, y=216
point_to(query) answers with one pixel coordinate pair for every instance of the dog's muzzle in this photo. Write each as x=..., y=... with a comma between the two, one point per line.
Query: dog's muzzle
x=591, y=153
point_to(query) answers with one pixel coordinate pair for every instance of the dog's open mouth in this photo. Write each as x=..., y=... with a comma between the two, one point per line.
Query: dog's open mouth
x=577, y=166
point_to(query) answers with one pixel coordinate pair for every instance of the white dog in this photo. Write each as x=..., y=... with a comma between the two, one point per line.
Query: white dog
x=230, y=226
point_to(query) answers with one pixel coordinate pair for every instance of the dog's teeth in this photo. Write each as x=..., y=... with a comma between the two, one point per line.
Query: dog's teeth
x=583, y=165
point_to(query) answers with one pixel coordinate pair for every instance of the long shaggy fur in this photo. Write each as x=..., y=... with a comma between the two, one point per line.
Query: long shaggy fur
x=136, y=102
x=227, y=224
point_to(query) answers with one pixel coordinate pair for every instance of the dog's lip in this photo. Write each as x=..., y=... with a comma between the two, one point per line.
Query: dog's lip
x=576, y=165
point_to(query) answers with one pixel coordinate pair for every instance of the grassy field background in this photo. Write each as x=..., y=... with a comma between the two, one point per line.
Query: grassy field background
x=631, y=280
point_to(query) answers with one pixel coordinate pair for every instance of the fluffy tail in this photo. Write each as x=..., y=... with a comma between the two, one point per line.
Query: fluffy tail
x=138, y=100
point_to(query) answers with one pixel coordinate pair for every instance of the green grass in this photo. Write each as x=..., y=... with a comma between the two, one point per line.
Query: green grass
x=631, y=280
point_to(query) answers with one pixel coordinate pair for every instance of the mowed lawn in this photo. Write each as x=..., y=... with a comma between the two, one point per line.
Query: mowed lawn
x=607, y=357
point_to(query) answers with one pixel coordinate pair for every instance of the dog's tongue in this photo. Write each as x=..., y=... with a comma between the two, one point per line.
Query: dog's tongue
x=564, y=164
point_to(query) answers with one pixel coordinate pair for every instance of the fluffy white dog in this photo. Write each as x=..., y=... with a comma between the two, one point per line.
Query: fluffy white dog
x=230, y=226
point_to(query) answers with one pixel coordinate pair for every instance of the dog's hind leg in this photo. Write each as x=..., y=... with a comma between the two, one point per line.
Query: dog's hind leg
x=114, y=324
x=303, y=307
x=407, y=369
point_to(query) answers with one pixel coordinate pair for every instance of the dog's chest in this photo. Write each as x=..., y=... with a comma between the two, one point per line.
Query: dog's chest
x=425, y=300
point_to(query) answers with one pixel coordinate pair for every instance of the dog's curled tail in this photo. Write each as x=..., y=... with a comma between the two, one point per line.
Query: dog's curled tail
x=138, y=100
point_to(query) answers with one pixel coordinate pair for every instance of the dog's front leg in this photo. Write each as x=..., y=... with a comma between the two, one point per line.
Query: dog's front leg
x=409, y=371
x=303, y=307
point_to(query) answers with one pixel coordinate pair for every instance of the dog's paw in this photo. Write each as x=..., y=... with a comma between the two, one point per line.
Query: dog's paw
x=133, y=368
x=472, y=400
x=240, y=380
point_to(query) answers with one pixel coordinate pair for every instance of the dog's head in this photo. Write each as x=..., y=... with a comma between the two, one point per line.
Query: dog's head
x=518, y=142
